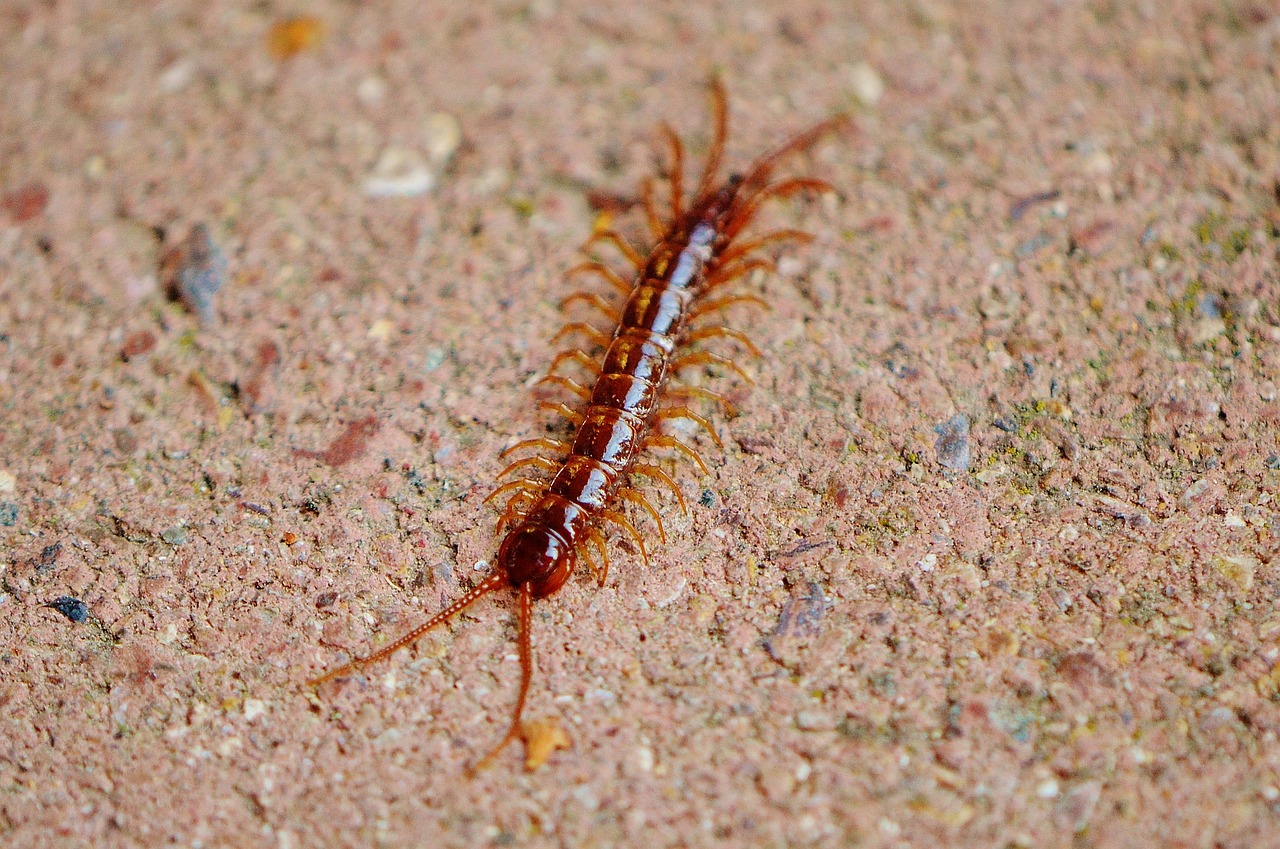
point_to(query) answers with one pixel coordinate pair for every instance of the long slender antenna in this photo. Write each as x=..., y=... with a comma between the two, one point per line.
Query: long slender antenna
x=495, y=581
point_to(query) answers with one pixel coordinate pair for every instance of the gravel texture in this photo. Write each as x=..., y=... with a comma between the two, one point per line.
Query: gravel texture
x=989, y=558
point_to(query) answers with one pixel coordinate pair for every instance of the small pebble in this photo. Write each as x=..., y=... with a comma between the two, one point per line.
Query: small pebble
x=815, y=720
x=25, y=201
x=1048, y=789
x=199, y=271
x=371, y=90
x=399, y=172
x=175, y=77
x=72, y=608
x=952, y=444
x=868, y=86
x=176, y=535
x=443, y=134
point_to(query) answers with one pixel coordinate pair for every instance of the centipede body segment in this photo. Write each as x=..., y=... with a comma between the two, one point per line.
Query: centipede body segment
x=557, y=509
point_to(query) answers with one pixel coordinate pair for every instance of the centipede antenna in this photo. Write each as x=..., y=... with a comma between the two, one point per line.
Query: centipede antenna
x=494, y=581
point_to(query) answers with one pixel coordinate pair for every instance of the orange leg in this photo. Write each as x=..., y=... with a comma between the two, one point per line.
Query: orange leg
x=683, y=392
x=721, y=303
x=599, y=268
x=662, y=440
x=578, y=356
x=649, y=470
x=538, y=442
x=572, y=385
x=602, y=547
x=536, y=462
x=651, y=210
x=728, y=273
x=516, y=509
x=677, y=170
x=609, y=311
x=619, y=519
x=574, y=417
x=745, y=248
x=636, y=497
x=720, y=120
x=529, y=485
x=616, y=239
x=762, y=169
x=706, y=358
x=595, y=334
x=722, y=331
x=700, y=421
x=524, y=643
x=784, y=188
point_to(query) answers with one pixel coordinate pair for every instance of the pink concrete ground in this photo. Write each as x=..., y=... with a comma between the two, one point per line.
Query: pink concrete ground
x=876, y=627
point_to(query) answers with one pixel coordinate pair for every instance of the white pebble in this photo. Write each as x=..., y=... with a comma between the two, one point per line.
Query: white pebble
x=443, y=134
x=868, y=86
x=400, y=172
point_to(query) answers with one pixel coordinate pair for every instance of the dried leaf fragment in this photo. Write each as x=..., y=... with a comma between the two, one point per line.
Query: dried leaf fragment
x=541, y=738
x=292, y=36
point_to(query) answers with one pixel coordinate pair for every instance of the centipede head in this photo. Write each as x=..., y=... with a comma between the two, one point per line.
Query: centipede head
x=534, y=554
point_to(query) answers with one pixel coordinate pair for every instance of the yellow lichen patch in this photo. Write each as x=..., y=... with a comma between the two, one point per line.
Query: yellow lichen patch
x=541, y=738
x=1269, y=685
x=1237, y=569
x=380, y=330
x=291, y=36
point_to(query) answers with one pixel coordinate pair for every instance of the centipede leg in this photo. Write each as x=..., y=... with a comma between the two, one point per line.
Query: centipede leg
x=574, y=417
x=720, y=330
x=595, y=334
x=741, y=250
x=651, y=209
x=524, y=642
x=720, y=120
x=568, y=383
x=619, y=519
x=637, y=497
x=700, y=421
x=728, y=273
x=537, y=462
x=684, y=392
x=723, y=303
x=578, y=356
x=516, y=508
x=602, y=548
x=616, y=239
x=649, y=470
x=537, y=442
x=602, y=270
x=704, y=358
x=608, y=310
x=677, y=170
x=784, y=188
x=662, y=440
x=524, y=484
x=762, y=169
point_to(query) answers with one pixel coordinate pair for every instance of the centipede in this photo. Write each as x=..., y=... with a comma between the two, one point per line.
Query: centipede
x=558, y=507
